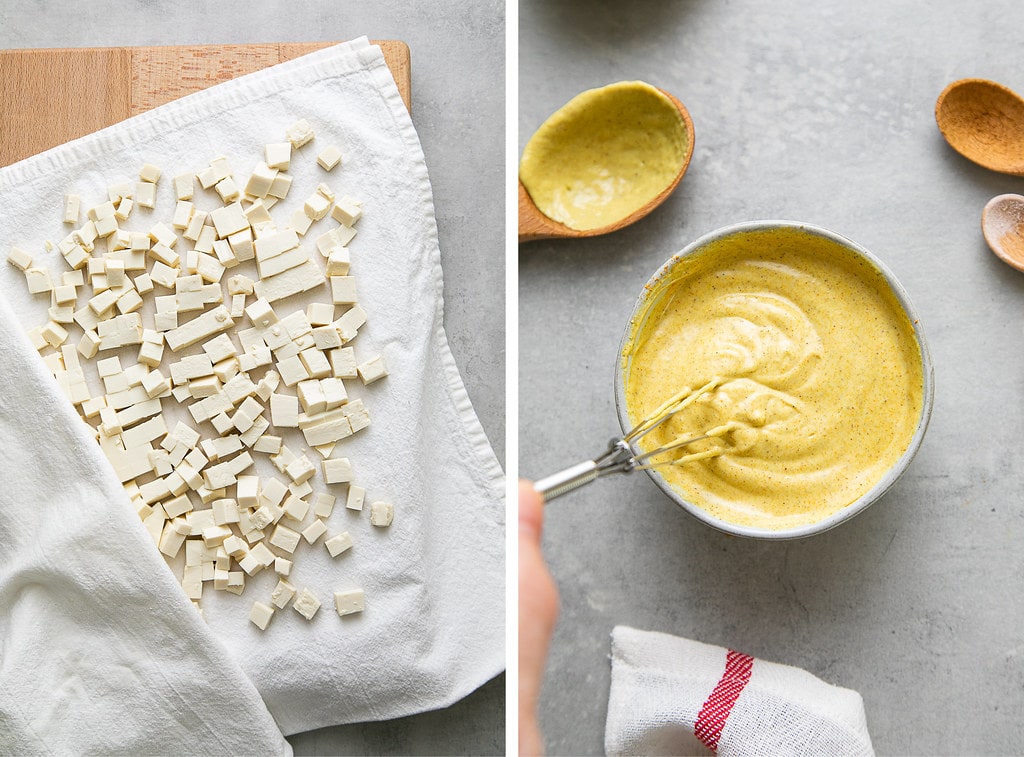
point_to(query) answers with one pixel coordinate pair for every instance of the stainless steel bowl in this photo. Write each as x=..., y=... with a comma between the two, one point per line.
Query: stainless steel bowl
x=657, y=284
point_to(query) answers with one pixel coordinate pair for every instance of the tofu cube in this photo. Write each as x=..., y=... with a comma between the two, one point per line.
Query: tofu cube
x=285, y=538
x=317, y=206
x=264, y=555
x=260, y=615
x=343, y=290
x=215, y=535
x=300, y=221
x=306, y=604
x=227, y=189
x=273, y=491
x=149, y=173
x=326, y=337
x=343, y=363
x=329, y=158
x=349, y=601
x=183, y=210
x=229, y=220
x=262, y=179
x=300, y=469
x=280, y=185
x=311, y=396
x=219, y=348
x=339, y=543
x=38, y=280
x=23, y=261
x=323, y=505
x=65, y=294
x=315, y=363
x=382, y=514
x=339, y=262
x=372, y=370
x=337, y=470
x=145, y=194
x=354, y=501
x=300, y=133
x=72, y=207
x=296, y=508
x=278, y=155
x=268, y=444
x=236, y=582
x=317, y=314
x=263, y=517
x=314, y=531
x=155, y=384
x=225, y=511
x=261, y=313
x=184, y=186
x=282, y=594
x=335, y=394
x=284, y=410
x=347, y=211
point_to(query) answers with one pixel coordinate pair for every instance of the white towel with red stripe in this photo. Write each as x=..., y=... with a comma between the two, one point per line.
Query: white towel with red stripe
x=671, y=695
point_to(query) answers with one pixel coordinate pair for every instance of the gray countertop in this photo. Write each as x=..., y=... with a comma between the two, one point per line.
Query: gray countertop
x=457, y=59
x=824, y=113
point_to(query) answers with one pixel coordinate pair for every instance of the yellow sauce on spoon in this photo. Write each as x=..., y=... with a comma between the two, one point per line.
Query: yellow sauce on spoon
x=605, y=155
x=810, y=356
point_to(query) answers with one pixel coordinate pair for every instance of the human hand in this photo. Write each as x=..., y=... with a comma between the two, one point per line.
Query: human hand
x=538, y=610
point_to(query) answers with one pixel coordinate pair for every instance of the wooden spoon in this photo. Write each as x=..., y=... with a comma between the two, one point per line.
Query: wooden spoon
x=533, y=224
x=984, y=122
x=1002, y=223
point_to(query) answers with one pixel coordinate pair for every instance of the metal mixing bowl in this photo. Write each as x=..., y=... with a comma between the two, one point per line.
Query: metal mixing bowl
x=659, y=282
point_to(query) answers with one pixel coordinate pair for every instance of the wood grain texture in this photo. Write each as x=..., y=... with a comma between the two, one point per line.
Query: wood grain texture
x=983, y=121
x=534, y=225
x=51, y=96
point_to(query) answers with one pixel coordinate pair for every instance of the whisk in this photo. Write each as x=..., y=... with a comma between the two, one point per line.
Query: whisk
x=620, y=458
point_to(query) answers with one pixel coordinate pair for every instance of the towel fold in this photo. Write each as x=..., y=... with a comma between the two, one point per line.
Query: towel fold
x=671, y=695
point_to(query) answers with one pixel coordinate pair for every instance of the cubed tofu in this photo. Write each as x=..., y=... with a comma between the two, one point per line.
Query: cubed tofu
x=349, y=601
x=306, y=604
x=261, y=614
x=329, y=158
x=382, y=514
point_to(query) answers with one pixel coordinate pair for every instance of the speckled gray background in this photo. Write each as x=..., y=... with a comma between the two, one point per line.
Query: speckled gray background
x=458, y=73
x=818, y=112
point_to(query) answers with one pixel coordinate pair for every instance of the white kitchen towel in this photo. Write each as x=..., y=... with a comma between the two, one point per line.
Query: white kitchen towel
x=433, y=627
x=100, y=651
x=671, y=695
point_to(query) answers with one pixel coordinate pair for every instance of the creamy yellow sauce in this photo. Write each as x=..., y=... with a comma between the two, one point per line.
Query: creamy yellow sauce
x=814, y=370
x=604, y=155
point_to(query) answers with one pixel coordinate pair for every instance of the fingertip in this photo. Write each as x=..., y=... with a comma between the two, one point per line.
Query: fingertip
x=531, y=510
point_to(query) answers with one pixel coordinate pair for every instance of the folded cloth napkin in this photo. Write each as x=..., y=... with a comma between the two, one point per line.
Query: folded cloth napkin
x=433, y=626
x=100, y=651
x=671, y=695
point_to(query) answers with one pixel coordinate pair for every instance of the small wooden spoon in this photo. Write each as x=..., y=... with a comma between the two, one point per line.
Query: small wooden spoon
x=984, y=122
x=533, y=224
x=1002, y=223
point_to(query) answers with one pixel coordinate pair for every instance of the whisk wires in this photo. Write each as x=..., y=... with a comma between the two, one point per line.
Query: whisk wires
x=643, y=462
x=669, y=408
x=673, y=405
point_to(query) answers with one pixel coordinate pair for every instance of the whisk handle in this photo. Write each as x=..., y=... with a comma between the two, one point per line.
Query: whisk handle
x=565, y=481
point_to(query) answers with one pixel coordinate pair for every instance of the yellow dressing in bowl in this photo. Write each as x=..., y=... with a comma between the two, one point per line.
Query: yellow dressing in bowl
x=814, y=365
x=605, y=155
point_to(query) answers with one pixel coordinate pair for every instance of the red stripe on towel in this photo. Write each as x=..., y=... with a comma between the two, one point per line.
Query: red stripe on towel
x=719, y=704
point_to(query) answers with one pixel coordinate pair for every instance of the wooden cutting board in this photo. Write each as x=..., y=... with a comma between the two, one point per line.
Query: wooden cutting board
x=51, y=96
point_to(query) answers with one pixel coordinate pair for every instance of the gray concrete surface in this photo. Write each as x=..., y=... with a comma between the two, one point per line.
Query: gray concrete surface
x=458, y=71
x=818, y=112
